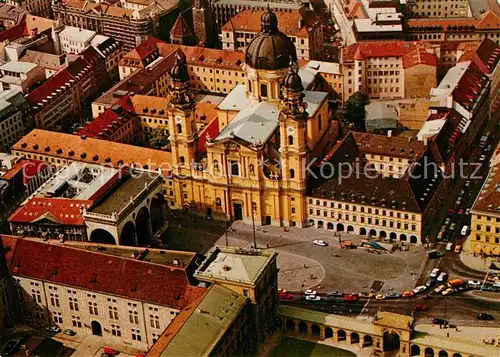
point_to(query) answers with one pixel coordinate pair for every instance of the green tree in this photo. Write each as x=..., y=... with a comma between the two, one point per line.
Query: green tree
x=354, y=113
x=158, y=138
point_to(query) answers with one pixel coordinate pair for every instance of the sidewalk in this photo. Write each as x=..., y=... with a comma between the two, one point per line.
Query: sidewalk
x=476, y=262
x=470, y=333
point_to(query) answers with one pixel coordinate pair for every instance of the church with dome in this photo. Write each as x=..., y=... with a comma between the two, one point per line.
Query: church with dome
x=255, y=153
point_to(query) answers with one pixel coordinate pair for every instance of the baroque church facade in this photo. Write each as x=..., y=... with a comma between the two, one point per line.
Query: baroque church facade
x=258, y=149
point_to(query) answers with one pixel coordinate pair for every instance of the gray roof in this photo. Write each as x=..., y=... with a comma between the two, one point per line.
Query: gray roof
x=381, y=110
x=237, y=99
x=307, y=77
x=18, y=66
x=314, y=100
x=254, y=124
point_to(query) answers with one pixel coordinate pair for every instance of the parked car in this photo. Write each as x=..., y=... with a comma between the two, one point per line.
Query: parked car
x=442, y=277
x=447, y=221
x=467, y=211
x=439, y=321
x=54, y=329
x=320, y=242
x=482, y=158
x=313, y=298
x=310, y=292
x=483, y=316
x=110, y=351
x=285, y=296
x=451, y=211
x=474, y=283
x=434, y=273
x=393, y=295
x=448, y=291
x=439, y=289
x=430, y=282
x=453, y=225
x=458, y=248
x=449, y=247
x=335, y=294
x=467, y=183
x=69, y=332
x=460, y=211
x=408, y=294
x=458, y=201
x=380, y=297
x=351, y=297
x=434, y=254
x=419, y=289
x=461, y=192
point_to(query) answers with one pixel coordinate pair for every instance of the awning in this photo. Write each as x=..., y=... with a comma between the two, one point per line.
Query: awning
x=487, y=249
x=496, y=251
x=477, y=248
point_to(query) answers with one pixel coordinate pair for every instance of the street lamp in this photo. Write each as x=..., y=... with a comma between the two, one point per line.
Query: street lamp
x=253, y=225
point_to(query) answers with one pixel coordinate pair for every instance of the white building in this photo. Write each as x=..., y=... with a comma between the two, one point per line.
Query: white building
x=20, y=76
x=75, y=39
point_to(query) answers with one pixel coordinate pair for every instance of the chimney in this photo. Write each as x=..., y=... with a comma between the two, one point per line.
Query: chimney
x=389, y=133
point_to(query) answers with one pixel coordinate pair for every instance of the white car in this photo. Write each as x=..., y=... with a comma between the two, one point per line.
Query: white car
x=474, y=283
x=310, y=292
x=449, y=247
x=482, y=158
x=434, y=272
x=321, y=243
x=442, y=277
x=419, y=289
x=467, y=211
x=313, y=298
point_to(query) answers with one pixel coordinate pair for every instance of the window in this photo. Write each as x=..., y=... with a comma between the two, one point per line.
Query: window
x=54, y=299
x=133, y=317
x=113, y=312
x=136, y=335
x=263, y=90
x=179, y=128
x=155, y=337
x=154, y=321
x=235, y=168
x=115, y=330
x=73, y=304
x=37, y=296
x=93, y=308
x=57, y=317
x=75, y=321
x=292, y=173
x=250, y=86
x=246, y=293
x=290, y=139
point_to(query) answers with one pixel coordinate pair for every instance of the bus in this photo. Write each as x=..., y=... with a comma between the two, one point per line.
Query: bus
x=465, y=230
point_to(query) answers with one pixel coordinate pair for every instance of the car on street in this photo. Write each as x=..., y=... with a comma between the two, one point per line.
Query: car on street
x=458, y=248
x=439, y=321
x=320, y=242
x=440, y=235
x=442, y=277
x=310, y=292
x=461, y=288
x=335, y=294
x=461, y=192
x=434, y=254
x=447, y=221
x=467, y=211
x=408, y=294
x=313, y=298
x=419, y=289
x=474, y=283
x=109, y=351
x=451, y=211
x=54, y=328
x=380, y=297
x=393, y=295
x=351, y=297
x=453, y=225
x=448, y=291
x=467, y=183
x=483, y=316
x=449, y=247
x=488, y=148
x=439, y=289
x=482, y=158
x=460, y=211
x=434, y=273
x=458, y=201
x=285, y=296
x=69, y=332
x=430, y=282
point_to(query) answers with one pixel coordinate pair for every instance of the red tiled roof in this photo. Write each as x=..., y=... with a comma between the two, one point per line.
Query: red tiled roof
x=64, y=211
x=30, y=168
x=227, y=59
x=419, y=56
x=92, y=271
x=145, y=49
x=211, y=130
x=469, y=86
x=59, y=81
x=362, y=50
x=486, y=56
x=489, y=20
x=180, y=28
x=111, y=120
x=13, y=32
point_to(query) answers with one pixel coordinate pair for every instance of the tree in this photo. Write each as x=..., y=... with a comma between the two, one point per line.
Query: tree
x=158, y=138
x=354, y=112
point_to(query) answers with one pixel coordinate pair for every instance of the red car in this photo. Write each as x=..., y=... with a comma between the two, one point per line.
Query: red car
x=451, y=211
x=408, y=294
x=351, y=297
x=460, y=211
x=285, y=296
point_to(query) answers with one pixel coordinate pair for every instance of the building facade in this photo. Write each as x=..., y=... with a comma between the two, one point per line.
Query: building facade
x=439, y=9
x=15, y=120
x=21, y=76
x=126, y=311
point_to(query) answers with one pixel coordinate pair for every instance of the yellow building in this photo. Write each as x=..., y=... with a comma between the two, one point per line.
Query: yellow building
x=485, y=221
x=439, y=8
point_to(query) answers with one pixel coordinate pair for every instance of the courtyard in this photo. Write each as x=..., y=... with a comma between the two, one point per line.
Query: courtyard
x=290, y=347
